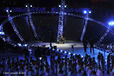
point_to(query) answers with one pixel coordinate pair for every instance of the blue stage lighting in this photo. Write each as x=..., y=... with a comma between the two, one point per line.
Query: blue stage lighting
x=2, y=33
x=69, y=53
x=61, y=51
x=74, y=54
x=19, y=44
x=111, y=23
x=25, y=45
x=82, y=56
x=65, y=52
x=49, y=48
x=90, y=12
x=53, y=49
x=57, y=49
x=7, y=10
x=65, y=13
x=85, y=12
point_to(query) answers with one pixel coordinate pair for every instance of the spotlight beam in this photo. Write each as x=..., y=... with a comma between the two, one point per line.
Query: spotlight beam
x=14, y=27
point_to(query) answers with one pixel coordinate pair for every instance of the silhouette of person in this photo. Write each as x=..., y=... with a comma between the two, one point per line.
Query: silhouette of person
x=91, y=46
x=85, y=45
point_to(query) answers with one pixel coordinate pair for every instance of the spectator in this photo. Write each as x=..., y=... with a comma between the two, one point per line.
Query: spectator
x=99, y=72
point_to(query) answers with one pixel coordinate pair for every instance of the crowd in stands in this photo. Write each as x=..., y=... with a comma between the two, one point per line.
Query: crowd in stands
x=56, y=65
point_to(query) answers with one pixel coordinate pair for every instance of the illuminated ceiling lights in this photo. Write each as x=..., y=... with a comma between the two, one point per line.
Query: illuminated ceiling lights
x=86, y=12
x=8, y=10
x=28, y=6
x=111, y=23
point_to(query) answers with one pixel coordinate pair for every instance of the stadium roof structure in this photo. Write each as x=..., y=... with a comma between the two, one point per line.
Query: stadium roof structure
x=46, y=21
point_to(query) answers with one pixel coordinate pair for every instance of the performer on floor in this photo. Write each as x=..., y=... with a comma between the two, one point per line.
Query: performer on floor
x=72, y=47
x=61, y=39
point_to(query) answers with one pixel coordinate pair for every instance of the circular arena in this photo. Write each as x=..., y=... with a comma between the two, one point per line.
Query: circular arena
x=57, y=38
x=43, y=27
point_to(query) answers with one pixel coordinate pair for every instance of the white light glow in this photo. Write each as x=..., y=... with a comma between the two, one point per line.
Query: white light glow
x=7, y=10
x=59, y=5
x=65, y=52
x=10, y=10
x=19, y=44
x=90, y=12
x=74, y=54
x=30, y=5
x=40, y=58
x=65, y=6
x=26, y=5
x=69, y=53
x=84, y=12
x=111, y=23
x=2, y=33
x=25, y=45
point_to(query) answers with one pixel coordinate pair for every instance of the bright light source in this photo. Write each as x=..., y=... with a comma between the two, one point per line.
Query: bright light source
x=65, y=52
x=90, y=12
x=30, y=5
x=111, y=23
x=26, y=5
x=25, y=45
x=19, y=44
x=85, y=12
x=59, y=5
x=69, y=53
x=2, y=33
x=40, y=58
x=74, y=54
x=82, y=56
x=65, y=6
x=10, y=10
x=7, y=10
x=57, y=49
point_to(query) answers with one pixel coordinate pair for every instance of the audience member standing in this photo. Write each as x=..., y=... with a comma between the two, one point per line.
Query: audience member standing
x=91, y=46
x=99, y=72
x=85, y=45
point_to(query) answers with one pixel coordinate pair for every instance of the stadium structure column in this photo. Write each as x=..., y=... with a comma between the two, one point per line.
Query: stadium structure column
x=31, y=22
x=13, y=25
x=84, y=29
x=104, y=35
x=1, y=31
x=61, y=22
